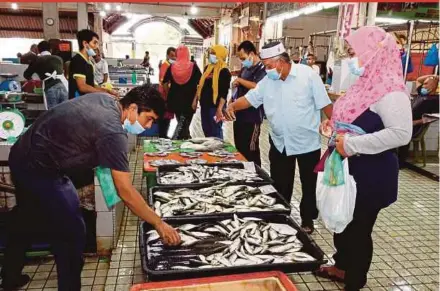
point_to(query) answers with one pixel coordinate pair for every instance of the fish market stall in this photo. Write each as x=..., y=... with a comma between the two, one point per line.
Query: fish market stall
x=237, y=244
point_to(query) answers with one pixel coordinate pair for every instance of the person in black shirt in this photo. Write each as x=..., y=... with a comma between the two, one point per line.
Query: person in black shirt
x=182, y=78
x=30, y=56
x=81, y=70
x=212, y=92
x=81, y=134
x=49, y=69
x=248, y=122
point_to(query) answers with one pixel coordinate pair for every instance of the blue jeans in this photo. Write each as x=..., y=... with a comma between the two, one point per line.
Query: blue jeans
x=50, y=202
x=56, y=95
x=209, y=126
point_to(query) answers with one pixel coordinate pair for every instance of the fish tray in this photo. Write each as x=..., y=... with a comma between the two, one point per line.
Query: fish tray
x=309, y=246
x=280, y=200
x=262, y=281
x=267, y=180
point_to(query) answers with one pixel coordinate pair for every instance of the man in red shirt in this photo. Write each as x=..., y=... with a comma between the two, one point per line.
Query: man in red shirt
x=164, y=123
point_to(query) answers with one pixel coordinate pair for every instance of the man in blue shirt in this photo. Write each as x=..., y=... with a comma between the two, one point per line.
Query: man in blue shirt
x=248, y=122
x=292, y=96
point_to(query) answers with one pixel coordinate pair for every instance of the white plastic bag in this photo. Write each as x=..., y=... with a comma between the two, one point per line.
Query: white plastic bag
x=336, y=203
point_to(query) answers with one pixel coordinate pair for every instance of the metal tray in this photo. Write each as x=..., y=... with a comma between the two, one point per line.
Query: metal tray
x=280, y=200
x=170, y=168
x=309, y=246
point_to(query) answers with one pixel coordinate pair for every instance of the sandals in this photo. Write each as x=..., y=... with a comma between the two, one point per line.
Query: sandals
x=324, y=272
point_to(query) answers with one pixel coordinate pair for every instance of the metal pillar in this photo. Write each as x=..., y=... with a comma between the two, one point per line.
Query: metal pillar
x=97, y=27
x=51, y=20
x=83, y=18
x=372, y=12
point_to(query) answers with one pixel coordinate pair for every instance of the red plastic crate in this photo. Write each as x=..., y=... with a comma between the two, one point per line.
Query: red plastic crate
x=262, y=281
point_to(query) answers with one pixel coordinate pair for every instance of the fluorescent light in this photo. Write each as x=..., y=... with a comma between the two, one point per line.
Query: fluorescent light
x=194, y=9
x=118, y=7
x=391, y=20
x=14, y=6
x=102, y=13
x=303, y=11
x=107, y=6
x=128, y=15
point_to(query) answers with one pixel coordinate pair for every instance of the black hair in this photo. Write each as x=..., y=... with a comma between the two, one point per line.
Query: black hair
x=170, y=49
x=311, y=55
x=147, y=52
x=43, y=46
x=34, y=46
x=147, y=99
x=247, y=46
x=85, y=35
x=192, y=58
x=127, y=57
x=285, y=57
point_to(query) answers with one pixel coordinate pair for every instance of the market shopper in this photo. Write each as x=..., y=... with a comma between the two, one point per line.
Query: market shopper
x=70, y=137
x=81, y=69
x=248, y=122
x=311, y=62
x=101, y=68
x=180, y=82
x=49, y=69
x=213, y=91
x=30, y=56
x=164, y=123
x=292, y=96
x=379, y=104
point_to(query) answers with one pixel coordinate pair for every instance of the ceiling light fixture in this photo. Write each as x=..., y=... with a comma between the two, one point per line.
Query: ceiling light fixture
x=390, y=20
x=128, y=15
x=102, y=13
x=107, y=6
x=194, y=9
x=118, y=7
x=303, y=11
x=14, y=6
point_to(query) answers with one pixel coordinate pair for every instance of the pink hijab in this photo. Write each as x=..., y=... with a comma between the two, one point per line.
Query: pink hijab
x=378, y=53
x=182, y=68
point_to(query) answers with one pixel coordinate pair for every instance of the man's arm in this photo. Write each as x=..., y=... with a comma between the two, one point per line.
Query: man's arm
x=105, y=71
x=247, y=84
x=30, y=71
x=84, y=88
x=421, y=79
x=320, y=96
x=133, y=199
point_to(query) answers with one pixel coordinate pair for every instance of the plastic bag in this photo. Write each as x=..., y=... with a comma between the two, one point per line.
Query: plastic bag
x=432, y=58
x=333, y=170
x=336, y=203
x=109, y=192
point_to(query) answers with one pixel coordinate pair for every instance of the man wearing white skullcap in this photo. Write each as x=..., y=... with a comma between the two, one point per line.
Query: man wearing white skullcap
x=293, y=96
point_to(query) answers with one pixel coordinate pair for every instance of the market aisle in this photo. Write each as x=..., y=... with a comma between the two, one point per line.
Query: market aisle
x=405, y=236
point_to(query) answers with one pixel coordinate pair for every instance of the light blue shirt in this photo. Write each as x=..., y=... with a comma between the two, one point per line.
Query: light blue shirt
x=293, y=109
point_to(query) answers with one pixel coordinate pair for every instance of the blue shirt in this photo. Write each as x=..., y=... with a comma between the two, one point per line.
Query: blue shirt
x=293, y=109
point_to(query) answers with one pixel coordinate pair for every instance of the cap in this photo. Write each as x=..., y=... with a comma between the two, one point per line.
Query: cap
x=273, y=51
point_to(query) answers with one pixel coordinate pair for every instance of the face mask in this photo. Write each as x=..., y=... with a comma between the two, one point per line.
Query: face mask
x=135, y=128
x=171, y=61
x=90, y=52
x=273, y=74
x=247, y=63
x=213, y=59
x=354, y=67
x=424, y=91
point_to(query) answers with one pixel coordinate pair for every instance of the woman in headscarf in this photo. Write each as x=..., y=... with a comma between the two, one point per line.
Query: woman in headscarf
x=182, y=78
x=213, y=91
x=379, y=104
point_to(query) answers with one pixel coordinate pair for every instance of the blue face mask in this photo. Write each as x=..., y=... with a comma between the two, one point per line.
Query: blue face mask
x=424, y=91
x=353, y=66
x=91, y=52
x=213, y=59
x=135, y=128
x=247, y=63
x=273, y=74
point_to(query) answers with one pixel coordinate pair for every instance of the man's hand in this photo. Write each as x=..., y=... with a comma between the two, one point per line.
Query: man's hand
x=168, y=234
x=230, y=112
x=340, y=145
x=236, y=82
x=325, y=128
x=219, y=115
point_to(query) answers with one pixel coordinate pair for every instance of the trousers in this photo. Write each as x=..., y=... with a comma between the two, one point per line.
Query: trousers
x=282, y=171
x=49, y=202
x=56, y=95
x=247, y=140
x=354, y=247
x=183, y=124
x=210, y=127
x=164, y=126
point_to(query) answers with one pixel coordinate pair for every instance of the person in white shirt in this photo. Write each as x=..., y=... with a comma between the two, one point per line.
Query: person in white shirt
x=311, y=60
x=101, y=68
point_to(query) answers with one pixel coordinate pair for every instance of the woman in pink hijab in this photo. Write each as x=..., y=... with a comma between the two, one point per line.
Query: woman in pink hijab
x=183, y=77
x=379, y=104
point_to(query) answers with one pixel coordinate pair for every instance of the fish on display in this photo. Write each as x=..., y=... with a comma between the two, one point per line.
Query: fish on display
x=191, y=155
x=216, y=199
x=163, y=162
x=222, y=154
x=227, y=243
x=208, y=174
x=203, y=144
x=157, y=154
x=196, y=161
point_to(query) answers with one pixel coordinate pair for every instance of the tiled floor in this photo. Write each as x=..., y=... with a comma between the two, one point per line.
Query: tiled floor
x=406, y=241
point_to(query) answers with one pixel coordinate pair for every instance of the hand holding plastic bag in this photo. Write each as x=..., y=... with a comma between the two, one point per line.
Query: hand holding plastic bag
x=336, y=203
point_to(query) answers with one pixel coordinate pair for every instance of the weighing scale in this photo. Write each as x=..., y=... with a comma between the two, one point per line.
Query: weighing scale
x=9, y=84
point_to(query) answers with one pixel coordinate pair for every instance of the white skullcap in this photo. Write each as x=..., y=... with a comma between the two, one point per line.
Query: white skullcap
x=271, y=52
